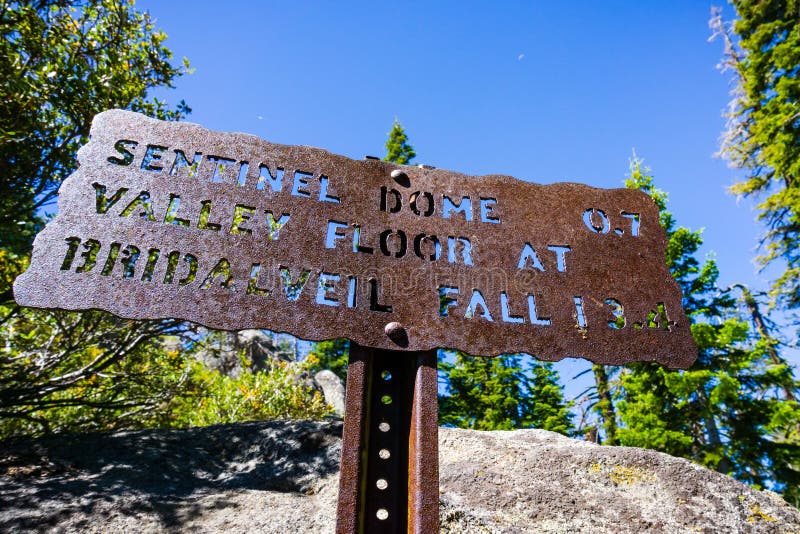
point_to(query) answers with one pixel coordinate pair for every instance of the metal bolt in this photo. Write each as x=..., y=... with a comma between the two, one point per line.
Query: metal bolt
x=397, y=333
x=394, y=330
x=401, y=177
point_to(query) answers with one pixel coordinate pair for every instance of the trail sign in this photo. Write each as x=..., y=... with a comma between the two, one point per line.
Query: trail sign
x=166, y=219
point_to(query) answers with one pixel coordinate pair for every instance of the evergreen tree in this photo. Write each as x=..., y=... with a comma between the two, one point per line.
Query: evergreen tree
x=725, y=412
x=498, y=394
x=762, y=49
x=545, y=402
x=397, y=148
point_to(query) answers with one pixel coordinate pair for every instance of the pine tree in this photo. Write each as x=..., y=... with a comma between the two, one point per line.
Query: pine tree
x=498, y=394
x=545, y=402
x=397, y=148
x=726, y=411
x=762, y=49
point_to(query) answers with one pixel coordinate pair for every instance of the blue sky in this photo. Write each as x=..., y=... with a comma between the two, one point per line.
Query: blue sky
x=545, y=92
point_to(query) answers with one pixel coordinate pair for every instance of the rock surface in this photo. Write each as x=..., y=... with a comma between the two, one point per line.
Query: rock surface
x=332, y=389
x=282, y=476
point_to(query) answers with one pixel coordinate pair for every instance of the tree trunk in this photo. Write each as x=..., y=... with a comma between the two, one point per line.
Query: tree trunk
x=605, y=405
x=766, y=336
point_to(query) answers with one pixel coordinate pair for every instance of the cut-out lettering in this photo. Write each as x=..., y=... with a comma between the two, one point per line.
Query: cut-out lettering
x=414, y=201
x=242, y=180
x=455, y=243
x=533, y=315
x=143, y=202
x=220, y=166
x=326, y=289
x=505, y=312
x=300, y=183
x=618, y=312
x=72, y=248
x=220, y=272
x=352, y=291
x=150, y=266
x=446, y=301
x=477, y=307
x=252, y=285
x=182, y=162
x=561, y=260
x=528, y=256
x=393, y=204
x=333, y=233
x=89, y=255
x=325, y=194
x=170, y=217
x=658, y=318
x=423, y=238
x=589, y=218
x=374, y=299
x=103, y=203
x=580, y=316
x=634, y=218
x=265, y=175
x=152, y=156
x=449, y=207
x=488, y=213
x=402, y=243
x=192, y=262
x=357, y=246
x=241, y=214
x=111, y=259
x=205, y=213
x=121, y=147
x=130, y=255
x=293, y=285
x=274, y=225
x=172, y=265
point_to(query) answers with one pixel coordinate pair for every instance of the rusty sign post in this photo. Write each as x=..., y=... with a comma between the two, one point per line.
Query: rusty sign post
x=389, y=480
x=166, y=219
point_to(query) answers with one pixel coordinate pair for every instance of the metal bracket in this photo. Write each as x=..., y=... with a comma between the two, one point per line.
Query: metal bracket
x=389, y=480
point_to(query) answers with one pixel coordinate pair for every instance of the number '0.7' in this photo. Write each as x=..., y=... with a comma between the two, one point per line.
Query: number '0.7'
x=598, y=222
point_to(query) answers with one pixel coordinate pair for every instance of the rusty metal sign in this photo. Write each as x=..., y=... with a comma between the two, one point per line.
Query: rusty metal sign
x=166, y=219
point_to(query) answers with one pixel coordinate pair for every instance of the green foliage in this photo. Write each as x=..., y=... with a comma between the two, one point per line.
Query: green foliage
x=397, y=148
x=210, y=397
x=547, y=408
x=725, y=412
x=61, y=63
x=70, y=372
x=498, y=394
x=763, y=136
x=332, y=355
x=63, y=371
